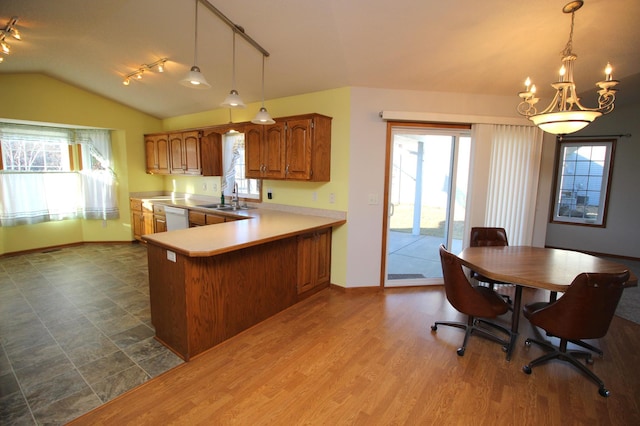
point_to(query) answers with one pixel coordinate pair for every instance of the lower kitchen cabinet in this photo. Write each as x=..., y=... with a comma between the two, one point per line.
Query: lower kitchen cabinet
x=159, y=218
x=314, y=260
x=141, y=218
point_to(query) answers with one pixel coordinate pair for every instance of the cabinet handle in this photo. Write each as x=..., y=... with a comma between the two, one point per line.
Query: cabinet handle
x=286, y=170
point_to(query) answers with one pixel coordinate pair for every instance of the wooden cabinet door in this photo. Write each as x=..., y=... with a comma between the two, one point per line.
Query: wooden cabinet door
x=176, y=154
x=211, y=154
x=273, y=154
x=253, y=151
x=314, y=260
x=298, y=149
x=191, y=154
x=157, y=154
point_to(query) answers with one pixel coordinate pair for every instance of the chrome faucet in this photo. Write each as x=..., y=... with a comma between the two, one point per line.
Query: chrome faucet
x=234, y=197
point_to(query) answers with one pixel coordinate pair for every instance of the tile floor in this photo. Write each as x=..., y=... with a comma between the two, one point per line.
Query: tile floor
x=75, y=331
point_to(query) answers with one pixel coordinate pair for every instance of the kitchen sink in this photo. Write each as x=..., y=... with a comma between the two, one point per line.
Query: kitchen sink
x=224, y=208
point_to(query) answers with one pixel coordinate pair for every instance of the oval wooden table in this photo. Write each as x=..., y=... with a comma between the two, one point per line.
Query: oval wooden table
x=536, y=267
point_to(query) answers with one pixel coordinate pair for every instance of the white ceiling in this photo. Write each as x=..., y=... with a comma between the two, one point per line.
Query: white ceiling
x=468, y=46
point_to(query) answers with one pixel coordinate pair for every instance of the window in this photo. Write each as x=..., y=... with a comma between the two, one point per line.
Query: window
x=234, y=166
x=583, y=171
x=38, y=180
x=36, y=150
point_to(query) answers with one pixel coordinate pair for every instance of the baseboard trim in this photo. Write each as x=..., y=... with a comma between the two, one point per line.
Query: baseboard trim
x=61, y=246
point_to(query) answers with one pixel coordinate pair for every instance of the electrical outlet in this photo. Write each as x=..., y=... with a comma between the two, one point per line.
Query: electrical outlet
x=204, y=186
x=314, y=196
x=269, y=194
x=215, y=188
x=332, y=198
x=373, y=199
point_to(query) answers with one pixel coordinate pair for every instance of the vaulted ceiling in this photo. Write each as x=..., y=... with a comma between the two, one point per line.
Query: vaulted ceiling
x=478, y=47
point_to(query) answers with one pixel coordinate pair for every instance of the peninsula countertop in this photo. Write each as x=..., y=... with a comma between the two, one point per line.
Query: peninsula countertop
x=260, y=226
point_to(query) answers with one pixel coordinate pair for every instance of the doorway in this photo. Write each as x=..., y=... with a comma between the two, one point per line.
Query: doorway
x=425, y=199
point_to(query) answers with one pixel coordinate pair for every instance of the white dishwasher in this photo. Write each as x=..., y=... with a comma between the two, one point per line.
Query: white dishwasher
x=177, y=218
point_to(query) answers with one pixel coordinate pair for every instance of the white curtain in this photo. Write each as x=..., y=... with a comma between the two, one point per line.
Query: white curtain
x=513, y=180
x=98, y=180
x=231, y=156
x=28, y=197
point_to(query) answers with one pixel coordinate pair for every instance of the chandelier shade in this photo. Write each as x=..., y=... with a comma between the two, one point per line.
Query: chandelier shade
x=565, y=114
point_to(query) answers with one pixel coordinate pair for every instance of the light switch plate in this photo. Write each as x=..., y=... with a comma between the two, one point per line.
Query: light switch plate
x=171, y=256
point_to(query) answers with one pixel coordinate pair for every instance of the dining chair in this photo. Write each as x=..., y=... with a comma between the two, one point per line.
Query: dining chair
x=584, y=311
x=482, y=236
x=477, y=302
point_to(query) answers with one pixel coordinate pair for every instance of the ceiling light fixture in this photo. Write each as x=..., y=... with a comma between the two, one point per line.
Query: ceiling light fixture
x=233, y=100
x=263, y=116
x=137, y=74
x=565, y=114
x=194, y=79
x=9, y=30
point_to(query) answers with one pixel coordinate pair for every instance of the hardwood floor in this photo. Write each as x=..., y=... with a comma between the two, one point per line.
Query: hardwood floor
x=371, y=359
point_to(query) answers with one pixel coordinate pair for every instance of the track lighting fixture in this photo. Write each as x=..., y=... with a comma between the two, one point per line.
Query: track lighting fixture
x=194, y=79
x=137, y=74
x=9, y=30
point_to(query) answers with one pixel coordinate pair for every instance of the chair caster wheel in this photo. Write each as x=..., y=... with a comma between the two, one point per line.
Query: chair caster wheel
x=589, y=361
x=526, y=369
x=527, y=343
x=460, y=351
x=504, y=349
x=434, y=327
x=603, y=392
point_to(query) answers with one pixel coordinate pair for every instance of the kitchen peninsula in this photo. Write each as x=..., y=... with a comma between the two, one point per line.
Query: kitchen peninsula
x=209, y=283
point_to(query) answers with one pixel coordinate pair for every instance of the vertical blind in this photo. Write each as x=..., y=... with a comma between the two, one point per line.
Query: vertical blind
x=513, y=180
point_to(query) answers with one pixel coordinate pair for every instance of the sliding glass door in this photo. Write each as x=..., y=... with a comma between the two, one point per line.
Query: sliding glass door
x=428, y=171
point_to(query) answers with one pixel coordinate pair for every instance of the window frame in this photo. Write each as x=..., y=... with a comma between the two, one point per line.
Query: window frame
x=605, y=187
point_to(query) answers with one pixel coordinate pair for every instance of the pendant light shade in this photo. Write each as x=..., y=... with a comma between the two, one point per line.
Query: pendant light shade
x=194, y=78
x=233, y=100
x=263, y=116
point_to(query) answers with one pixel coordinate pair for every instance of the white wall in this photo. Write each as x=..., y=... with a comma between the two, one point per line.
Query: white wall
x=621, y=236
x=367, y=164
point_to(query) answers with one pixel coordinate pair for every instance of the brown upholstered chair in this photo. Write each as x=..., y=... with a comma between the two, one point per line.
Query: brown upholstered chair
x=477, y=302
x=488, y=236
x=583, y=312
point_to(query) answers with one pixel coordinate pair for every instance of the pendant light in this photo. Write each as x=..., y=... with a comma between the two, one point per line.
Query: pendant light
x=263, y=116
x=233, y=100
x=194, y=78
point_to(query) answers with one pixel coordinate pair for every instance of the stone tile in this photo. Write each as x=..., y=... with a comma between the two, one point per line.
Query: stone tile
x=159, y=364
x=14, y=410
x=132, y=335
x=8, y=384
x=35, y=355
x=94, y=350
x=118, y=325
x=119, y=383
x=104, y=367
x=145, y=349
x=43, y=371
x=68, y=408
x=22, y=338
x=43, y=393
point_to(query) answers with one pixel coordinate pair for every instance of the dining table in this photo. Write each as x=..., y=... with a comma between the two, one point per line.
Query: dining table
x=536, y=267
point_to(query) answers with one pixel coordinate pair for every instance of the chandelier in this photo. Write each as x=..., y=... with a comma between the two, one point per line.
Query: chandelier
x=565, y=114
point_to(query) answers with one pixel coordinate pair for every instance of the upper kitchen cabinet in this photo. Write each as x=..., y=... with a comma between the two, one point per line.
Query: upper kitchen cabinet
x=211, y=153
x=264, y=150
x=184, y=153
x=294, y=148
x=193, y=152
x=157, y=153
